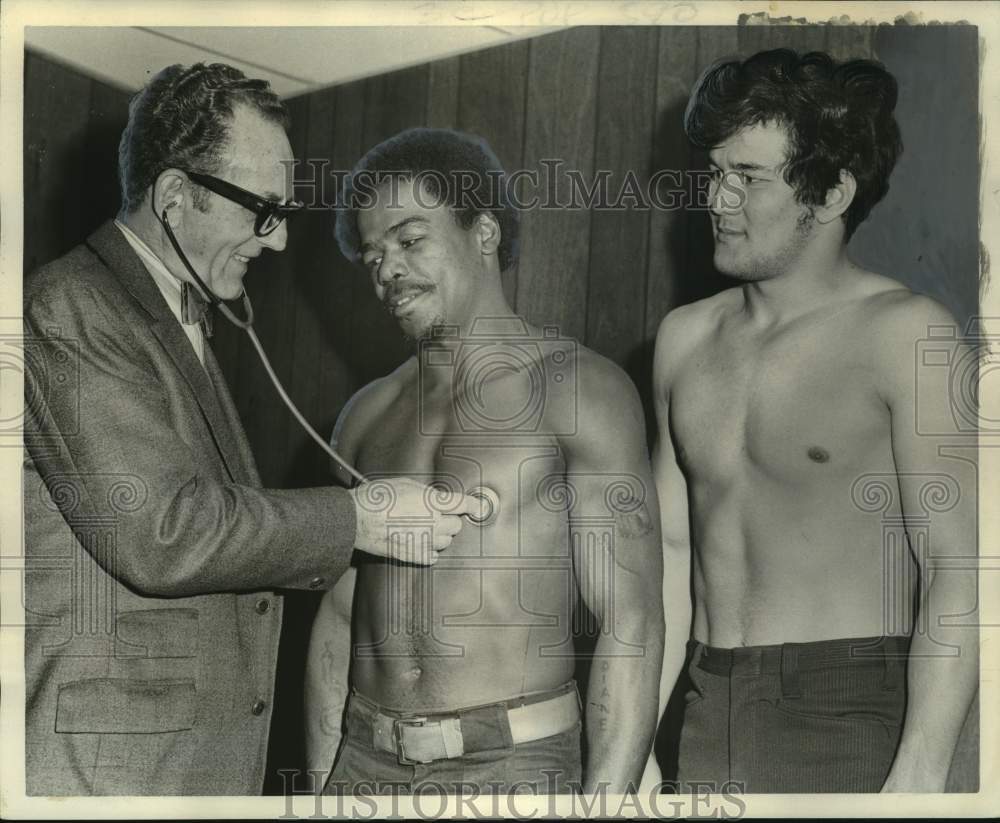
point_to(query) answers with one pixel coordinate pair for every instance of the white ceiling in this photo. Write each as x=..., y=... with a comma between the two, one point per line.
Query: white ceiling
x=294, y=60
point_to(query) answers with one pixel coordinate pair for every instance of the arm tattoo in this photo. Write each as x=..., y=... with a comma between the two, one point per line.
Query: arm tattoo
x=600, y=705
x=635, y=523
x=327, y=658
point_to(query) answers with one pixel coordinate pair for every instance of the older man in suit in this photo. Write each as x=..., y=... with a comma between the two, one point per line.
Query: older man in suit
x=152, y=629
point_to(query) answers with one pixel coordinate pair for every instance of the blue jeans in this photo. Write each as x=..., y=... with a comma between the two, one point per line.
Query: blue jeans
x=550, y=765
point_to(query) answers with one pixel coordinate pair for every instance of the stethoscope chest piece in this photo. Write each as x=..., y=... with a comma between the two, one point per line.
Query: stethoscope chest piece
x=490, y=506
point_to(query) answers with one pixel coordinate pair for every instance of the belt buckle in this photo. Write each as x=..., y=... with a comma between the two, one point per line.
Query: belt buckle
x=398, y=724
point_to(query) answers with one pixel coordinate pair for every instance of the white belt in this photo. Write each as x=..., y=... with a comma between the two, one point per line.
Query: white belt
x=439, y=736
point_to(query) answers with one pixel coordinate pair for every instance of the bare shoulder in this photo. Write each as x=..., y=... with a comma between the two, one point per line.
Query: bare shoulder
x=700, y=317
x=685, y=327
x=901, y=307
x=604, y=407
x=898, y=318
x=604, y=390
x=891, y=324
x=368, y=404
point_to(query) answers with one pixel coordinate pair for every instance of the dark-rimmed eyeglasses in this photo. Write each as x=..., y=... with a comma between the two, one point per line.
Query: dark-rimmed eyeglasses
x=268, y=212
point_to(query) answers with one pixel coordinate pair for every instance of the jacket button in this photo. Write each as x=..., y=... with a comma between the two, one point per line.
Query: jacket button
x=262, y=606
x=316, y=582
x=258, y=707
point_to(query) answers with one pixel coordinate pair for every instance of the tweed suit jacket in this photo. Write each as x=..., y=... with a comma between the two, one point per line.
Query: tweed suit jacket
x=151, y=550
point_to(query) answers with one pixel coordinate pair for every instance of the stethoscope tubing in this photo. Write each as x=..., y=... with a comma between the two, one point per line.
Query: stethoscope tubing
x=488, y=496
x=247, y=326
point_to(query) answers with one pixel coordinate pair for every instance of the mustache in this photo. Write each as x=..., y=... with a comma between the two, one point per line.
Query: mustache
x=394, y=293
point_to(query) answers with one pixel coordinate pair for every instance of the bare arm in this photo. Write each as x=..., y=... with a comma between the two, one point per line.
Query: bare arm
x=618, y=568
x=326, y=679
x=938, y=487
x=330, y=643
x=671, y=488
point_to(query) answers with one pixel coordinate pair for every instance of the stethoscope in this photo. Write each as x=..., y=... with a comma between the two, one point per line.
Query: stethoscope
x=490, y=499
x=247, y=326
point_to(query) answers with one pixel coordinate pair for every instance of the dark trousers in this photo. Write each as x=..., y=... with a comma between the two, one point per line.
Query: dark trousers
x=797, y=717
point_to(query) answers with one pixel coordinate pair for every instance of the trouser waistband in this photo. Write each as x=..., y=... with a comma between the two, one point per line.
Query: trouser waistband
x=788, y=659
x=423, y=738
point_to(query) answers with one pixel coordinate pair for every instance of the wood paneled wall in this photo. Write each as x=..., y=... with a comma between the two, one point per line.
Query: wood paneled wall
x=72, y=124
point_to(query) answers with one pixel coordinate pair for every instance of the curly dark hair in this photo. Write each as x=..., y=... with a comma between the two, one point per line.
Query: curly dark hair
x=181, y=119
x=837, y=115
x=452, y=167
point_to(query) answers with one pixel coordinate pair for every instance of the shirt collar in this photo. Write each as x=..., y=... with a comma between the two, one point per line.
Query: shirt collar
x=168, y=284
x=156, y=267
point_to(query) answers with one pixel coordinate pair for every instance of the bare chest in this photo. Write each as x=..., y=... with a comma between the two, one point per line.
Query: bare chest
x=454, y=442
x=789, y=409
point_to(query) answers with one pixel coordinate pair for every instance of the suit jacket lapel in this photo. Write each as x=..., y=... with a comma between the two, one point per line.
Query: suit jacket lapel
x=110, y=245
x=238, y=446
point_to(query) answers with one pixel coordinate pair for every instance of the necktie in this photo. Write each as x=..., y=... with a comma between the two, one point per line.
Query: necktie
x=194, y=309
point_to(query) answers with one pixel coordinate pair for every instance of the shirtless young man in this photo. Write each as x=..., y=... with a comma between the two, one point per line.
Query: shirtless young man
x=788, y=447
x=462, y=674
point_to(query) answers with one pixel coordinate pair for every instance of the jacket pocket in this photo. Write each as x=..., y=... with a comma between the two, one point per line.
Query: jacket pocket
x=119, y=706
